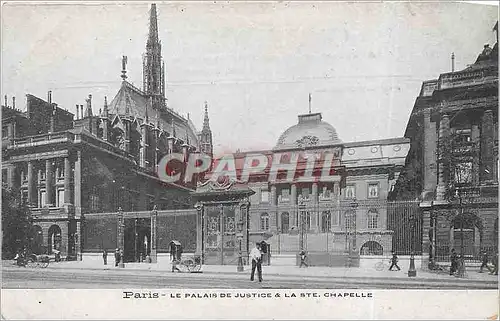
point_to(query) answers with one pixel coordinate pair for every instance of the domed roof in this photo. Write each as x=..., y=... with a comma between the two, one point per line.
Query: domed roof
x=310, y=131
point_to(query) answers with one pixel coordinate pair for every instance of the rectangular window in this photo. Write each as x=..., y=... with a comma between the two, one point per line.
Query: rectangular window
x=24, y=197
x=335, y=218
x=42, y=199
x=60, y=198
x=94, y=202
x=373, y=190
x=350, y=191
x=285, y=195
x=264, y=196
x=5, y=131
x=4, y=176
x=372, y=221
x=463, y=172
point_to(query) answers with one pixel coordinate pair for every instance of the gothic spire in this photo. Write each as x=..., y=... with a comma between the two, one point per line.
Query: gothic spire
x=153, y=27
x=152, y=64
x=105, y=109
x=206, y=120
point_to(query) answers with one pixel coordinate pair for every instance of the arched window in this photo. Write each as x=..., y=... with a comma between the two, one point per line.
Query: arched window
x=285, y=222
x=371, y=248
x=372, y=219
x=326, y=222
x=264, y=221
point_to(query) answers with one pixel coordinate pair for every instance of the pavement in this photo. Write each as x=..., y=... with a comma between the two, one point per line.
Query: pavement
x=366, y=274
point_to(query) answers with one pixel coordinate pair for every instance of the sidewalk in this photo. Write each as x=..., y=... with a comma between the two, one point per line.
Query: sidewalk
x=295, y=271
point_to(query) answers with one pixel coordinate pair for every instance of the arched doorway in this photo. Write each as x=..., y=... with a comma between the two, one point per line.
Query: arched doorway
x=371, y=248
x=285, y=222
x=54, y=239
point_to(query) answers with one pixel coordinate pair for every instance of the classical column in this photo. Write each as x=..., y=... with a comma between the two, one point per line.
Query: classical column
x=274, y=209
x=77, y=185
x=293, y=201
x=48, y=183
x=444, y=130
x=487, y=146
x=67, y=180
x=336, y=197
x=429, y=143
x=315, y=224
x=154, y=217
x=31, y=189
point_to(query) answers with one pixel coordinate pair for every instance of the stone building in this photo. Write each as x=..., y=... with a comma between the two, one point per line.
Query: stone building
x=452, y=164
x=68, y=167
x=348, y=212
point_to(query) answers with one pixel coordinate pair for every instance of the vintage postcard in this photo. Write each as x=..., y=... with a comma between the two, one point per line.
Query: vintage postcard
x=249, y=160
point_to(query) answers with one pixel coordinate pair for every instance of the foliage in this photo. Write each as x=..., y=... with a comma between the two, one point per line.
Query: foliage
x=15, y=224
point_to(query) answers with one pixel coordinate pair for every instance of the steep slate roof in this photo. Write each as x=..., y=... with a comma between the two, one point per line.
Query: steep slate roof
x=132, y=102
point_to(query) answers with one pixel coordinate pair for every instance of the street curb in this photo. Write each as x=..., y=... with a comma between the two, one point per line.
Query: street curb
x=360, y=278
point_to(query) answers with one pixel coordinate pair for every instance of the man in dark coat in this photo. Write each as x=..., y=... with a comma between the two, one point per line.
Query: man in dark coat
x=454, y=262
x=117, y=257
x=394, y=262
x=105, y=256
x=484, y=262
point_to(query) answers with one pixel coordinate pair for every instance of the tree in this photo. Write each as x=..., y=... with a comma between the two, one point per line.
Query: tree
x=16, y=223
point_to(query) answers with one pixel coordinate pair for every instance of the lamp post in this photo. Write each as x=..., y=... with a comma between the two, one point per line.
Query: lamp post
x=354, y=205
x=302, y=224
x=412, y=272
x=121, y=226
x=240, y=239
x=461, y=267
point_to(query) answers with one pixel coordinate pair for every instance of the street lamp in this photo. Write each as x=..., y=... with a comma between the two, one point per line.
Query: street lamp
x=240, y=239
x=354, y=205
x=412, y=272
x=302, y=224
x=121, y=226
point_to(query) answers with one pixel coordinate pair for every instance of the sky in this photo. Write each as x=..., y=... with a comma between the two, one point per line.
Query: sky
x=255, y=63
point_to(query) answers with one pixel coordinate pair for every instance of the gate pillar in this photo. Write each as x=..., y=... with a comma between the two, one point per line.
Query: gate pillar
x=154, y=217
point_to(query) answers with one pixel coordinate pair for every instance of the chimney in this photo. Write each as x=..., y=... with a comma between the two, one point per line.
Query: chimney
x=14, y=102
x=88, y=112
x=5, y=101
x=452, y=62
x=77, y=112
x=81, y=111
x=49, y=97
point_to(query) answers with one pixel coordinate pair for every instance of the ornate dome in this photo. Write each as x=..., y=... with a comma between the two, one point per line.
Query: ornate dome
x=310, y=131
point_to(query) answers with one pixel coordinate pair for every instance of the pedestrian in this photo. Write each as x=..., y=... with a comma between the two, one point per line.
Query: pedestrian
x=105, y=256
x=117, y=257
x=495, y=264
x=394, y=261
x=303, y=258
x=256, y=256
x=454, y=262
x=484, y=262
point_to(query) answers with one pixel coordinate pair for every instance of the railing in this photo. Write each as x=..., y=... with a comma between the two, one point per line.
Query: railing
x=452, y=80
x=43, y=138
x=472, y=254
